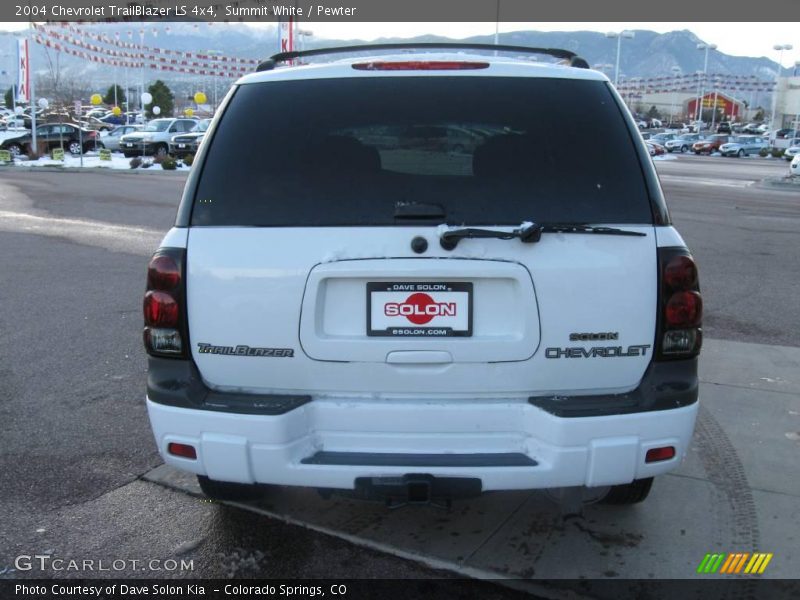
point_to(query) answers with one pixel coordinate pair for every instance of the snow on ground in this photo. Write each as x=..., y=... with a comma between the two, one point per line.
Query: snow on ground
x=665, y=157
x=90, y=160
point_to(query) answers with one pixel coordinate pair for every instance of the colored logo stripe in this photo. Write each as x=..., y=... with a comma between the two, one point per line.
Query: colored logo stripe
x=734, y=563
x=710, y=563
x=758, y=563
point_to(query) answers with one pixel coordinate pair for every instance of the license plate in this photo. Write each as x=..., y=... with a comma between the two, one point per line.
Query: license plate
x=129, y=145
x=419, y=309
x=181, y=145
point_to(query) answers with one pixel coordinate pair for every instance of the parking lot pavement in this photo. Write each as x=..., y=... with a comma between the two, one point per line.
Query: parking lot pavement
x=76, y=441
x=731, y=494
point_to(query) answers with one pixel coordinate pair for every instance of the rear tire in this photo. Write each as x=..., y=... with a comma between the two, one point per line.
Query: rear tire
x=629, y=493
x=226, y=490
x=740, y=153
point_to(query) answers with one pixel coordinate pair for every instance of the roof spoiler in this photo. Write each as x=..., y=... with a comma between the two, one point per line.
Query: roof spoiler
x=570, y=58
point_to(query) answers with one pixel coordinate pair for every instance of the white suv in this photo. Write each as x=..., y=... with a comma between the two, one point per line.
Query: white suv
x=154, y=138
x=362, y=305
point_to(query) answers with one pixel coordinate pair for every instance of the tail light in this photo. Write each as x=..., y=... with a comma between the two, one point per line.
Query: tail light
x=655, y=454
x=164, y=305
x=182, y=450
x=680, y=307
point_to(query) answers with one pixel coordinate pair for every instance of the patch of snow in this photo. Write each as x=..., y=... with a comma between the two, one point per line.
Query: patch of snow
x=90, y=160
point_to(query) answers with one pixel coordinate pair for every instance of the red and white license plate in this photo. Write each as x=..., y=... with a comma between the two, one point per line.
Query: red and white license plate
x=419, y=309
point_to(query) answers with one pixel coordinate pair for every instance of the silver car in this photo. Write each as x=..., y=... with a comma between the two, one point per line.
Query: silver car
x=154, y=138
x=111, y=140
x=793, y=149
x=743, y=145
x=682, y=143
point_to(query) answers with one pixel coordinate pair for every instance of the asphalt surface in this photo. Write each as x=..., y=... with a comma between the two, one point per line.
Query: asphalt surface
x=75, y=436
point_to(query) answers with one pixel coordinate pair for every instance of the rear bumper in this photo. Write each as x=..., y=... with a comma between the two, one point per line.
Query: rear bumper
x=507, y=444
x=175, y=150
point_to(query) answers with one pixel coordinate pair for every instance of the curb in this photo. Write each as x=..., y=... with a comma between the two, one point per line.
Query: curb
x=60, y=169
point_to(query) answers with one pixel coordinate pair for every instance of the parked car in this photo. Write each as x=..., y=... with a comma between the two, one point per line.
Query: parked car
x=751, y=128
x=95, y=113
x=683, y=143
x=655, y=149
x=663, y=138
x=743, y=145
x=54, y=135
x=112, y=119
x=329, y=314
x=785, y=133
x=724, y=127
x=793, y=150
x=794, y=167
x=17, y=122
x=99, y=124
x=710, y=144
x=188, y=143
x=112, y=139
x=154, y=138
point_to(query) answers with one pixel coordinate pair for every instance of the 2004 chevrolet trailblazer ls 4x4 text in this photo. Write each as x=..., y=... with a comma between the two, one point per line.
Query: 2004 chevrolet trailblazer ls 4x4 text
x=412, y=291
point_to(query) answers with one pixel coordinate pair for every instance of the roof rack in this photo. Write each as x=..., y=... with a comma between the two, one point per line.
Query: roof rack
x=574, y=60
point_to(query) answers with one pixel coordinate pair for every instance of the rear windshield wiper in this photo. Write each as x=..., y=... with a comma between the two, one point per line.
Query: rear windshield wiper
x=584, y=228
x=529, y=233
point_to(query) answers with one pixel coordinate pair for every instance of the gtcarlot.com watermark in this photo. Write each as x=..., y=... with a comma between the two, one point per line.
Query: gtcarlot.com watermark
x=47, y=562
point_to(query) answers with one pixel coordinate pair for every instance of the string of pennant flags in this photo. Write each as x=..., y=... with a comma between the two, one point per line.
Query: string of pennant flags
x=178, y=62
x=78, y=40
x=116, y=41
x=689, y=83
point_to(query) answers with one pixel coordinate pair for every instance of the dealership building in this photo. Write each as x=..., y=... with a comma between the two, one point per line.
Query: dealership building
x=738, y=105
x=682, y=105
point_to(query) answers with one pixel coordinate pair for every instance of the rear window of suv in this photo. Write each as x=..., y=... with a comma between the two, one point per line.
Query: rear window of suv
x=487, y=150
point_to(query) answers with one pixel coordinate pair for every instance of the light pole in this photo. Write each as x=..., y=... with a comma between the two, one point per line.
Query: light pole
x=619, y=35
x=676, y=71
x=714, y=109
x=780, y=48
x=141, y=85
x=216, y=67
x=303, y=34
x=705, y=47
